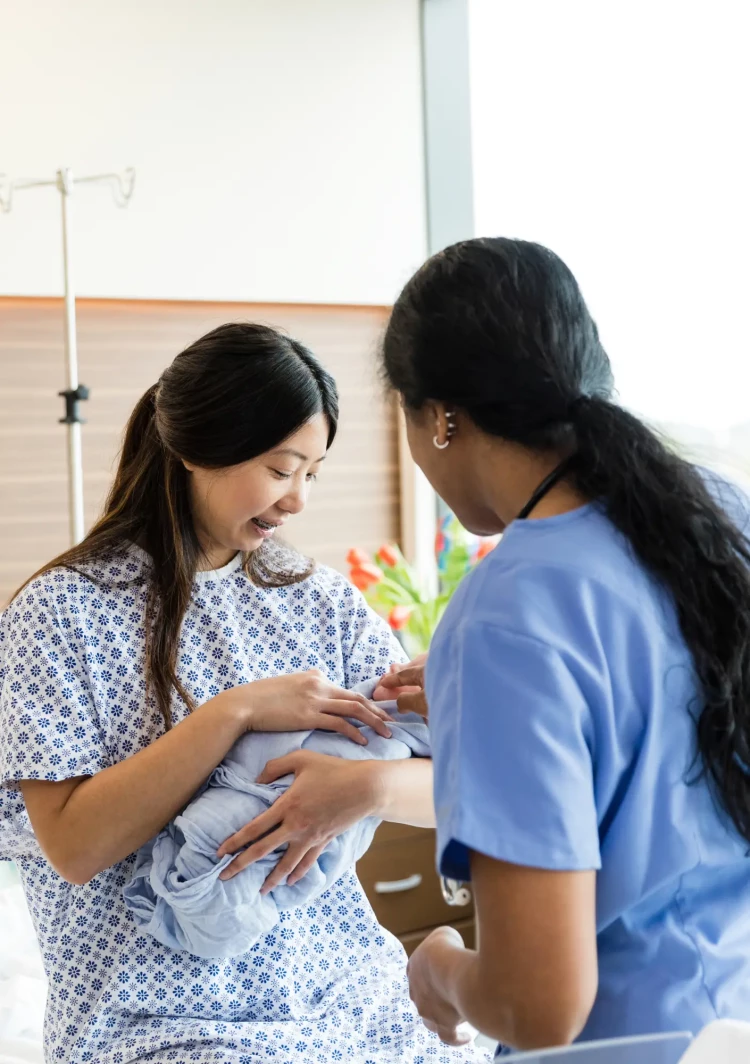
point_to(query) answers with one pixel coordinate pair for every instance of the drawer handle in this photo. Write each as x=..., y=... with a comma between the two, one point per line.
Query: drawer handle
x=397, y=886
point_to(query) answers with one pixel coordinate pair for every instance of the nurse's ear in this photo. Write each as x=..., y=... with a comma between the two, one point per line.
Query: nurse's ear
x=444, y=421
x=189, y=466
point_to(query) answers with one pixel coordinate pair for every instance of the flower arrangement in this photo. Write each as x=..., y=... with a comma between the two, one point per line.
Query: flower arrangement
x=391, y=586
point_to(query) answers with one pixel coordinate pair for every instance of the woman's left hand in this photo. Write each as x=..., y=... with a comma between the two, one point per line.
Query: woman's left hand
x=438, y=1014
x=328, y=795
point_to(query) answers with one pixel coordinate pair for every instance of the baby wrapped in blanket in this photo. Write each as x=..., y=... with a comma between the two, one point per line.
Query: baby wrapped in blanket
x=176, y=894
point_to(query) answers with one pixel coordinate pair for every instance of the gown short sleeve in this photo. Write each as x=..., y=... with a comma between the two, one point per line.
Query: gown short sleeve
x=368, y=645
x=49, y=725
x=511, y=737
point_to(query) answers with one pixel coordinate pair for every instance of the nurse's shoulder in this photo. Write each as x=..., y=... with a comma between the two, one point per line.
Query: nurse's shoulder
x=558, y=578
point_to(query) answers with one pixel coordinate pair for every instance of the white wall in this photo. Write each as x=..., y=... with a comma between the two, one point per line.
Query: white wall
x=277, y=143
x=616, y=133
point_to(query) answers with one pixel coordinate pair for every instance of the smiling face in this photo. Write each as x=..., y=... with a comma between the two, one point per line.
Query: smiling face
x=237, y=508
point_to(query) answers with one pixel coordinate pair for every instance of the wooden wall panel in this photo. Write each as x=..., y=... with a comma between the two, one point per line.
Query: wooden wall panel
x=123, y=347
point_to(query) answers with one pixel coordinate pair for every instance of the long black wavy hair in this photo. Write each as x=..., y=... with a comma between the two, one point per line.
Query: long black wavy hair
x=235, y=393
x=499, y=328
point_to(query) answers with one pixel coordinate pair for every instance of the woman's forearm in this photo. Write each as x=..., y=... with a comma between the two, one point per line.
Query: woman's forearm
x=87, y=825
x=404, y=791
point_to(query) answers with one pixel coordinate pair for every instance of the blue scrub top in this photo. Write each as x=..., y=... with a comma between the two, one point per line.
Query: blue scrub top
x=562, y=700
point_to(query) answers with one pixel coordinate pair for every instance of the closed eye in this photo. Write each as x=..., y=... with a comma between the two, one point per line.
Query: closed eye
x=281, y=475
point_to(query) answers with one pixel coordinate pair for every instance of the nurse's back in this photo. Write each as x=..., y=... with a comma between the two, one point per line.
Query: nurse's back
x=596, y=691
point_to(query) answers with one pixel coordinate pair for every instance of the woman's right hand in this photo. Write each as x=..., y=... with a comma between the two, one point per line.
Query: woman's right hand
x=306, y=701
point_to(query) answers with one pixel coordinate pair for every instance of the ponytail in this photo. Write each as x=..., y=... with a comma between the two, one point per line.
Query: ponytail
x=662, y=505
x=149, y=504
x=140, y=432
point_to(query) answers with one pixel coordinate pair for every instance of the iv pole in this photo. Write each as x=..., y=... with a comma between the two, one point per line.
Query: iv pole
x=122, y=189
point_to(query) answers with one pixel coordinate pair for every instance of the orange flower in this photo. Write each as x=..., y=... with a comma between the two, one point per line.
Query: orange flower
x=357, y=557
x=365, y=575
x=387, y=555
x=399, y=617
x=485, y=547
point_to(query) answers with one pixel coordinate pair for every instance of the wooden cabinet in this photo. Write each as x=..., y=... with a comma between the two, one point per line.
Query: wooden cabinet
x=398, y=875
x=464, y=927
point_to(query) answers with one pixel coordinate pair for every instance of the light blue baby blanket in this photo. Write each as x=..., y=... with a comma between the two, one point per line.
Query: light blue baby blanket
x=176, y=894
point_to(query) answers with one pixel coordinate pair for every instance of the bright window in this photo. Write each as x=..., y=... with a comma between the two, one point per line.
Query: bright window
x=617, y=134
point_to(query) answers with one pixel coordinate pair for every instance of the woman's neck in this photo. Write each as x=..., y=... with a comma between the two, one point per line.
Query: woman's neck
x=213, y=556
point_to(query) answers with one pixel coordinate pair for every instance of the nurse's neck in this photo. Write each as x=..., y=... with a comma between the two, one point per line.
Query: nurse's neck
x=507, y=475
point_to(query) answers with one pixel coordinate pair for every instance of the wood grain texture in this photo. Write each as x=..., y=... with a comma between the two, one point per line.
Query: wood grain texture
x=123, y=347
x=466, y=928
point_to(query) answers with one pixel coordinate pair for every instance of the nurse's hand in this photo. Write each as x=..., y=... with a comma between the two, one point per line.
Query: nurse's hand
x=438, y=1014
x=405, y=683
x=328, y=795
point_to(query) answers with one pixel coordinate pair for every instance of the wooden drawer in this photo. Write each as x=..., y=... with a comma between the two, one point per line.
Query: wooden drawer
x=466, y=928
x=400, y=880
x=392, y=832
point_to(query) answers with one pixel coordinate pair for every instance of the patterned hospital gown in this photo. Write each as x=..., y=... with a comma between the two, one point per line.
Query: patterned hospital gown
x=328, y=983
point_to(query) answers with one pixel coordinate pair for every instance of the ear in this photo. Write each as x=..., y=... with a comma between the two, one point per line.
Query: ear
x=189, y=466
x=437, y=416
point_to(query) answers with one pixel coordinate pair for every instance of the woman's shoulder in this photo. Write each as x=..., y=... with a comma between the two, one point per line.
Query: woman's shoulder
x=328, y=591
x=331, y=584
x=289, y=571
x=61, y=588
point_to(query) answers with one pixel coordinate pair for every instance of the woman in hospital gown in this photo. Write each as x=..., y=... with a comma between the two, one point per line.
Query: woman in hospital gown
x=80, y=708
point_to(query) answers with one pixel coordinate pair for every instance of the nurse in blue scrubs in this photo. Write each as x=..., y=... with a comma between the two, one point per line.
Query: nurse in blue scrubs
x=589, y=685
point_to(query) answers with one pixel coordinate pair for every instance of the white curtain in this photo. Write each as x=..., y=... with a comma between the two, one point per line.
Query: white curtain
x=23, y=987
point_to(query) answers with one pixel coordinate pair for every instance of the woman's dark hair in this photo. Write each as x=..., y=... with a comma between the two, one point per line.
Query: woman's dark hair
x=499, y=329
x=232, y=395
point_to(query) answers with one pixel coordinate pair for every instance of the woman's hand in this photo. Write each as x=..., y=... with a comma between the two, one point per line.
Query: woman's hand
x=438, y=1014
x=328, y=796
x=305, y=701
x=405, y=683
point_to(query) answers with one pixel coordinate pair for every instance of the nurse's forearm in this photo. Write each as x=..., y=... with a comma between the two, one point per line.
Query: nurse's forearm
x=403, y=791
x=533, y=981
x=501, y=1013
x=454, y=978
x=457, y=978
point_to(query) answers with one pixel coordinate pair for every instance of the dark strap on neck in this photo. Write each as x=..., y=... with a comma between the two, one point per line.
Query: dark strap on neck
x=547, y=484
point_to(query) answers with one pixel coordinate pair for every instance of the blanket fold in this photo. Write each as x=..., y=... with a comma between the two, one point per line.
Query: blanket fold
x=175, y=893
